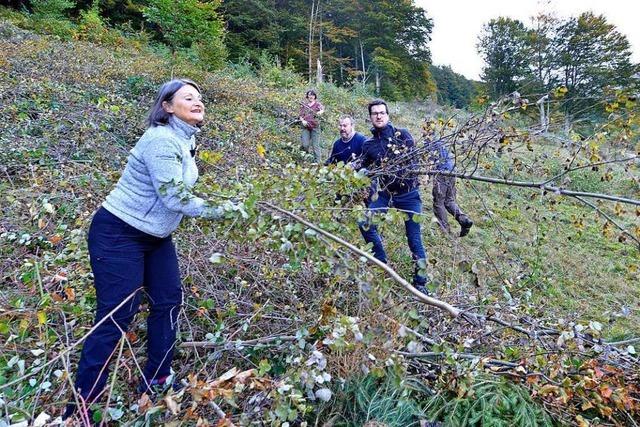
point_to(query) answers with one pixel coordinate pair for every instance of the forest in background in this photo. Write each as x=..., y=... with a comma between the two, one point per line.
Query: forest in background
x=381, y=46
x=535, y=321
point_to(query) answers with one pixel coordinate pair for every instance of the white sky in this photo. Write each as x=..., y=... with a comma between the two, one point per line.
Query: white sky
x=457, y=24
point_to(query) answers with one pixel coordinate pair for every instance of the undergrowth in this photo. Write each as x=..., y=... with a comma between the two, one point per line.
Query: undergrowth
x=70, y=112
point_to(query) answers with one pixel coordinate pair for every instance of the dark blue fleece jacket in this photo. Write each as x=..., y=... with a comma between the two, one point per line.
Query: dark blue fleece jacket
x=347, y=151
x=382, y=150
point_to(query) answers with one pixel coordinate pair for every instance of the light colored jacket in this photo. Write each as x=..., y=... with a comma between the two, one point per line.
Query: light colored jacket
x=154, y=191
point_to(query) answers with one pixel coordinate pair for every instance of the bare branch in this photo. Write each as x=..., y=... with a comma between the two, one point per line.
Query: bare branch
x=620, y=227
x=74, y=345
x=232, y=344
x=533, y=184
x=453, y=311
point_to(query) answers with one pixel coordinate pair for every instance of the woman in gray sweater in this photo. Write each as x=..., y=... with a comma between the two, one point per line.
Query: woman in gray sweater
x=130, y=242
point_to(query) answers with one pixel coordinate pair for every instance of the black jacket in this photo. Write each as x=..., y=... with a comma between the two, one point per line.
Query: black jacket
x=390, y=148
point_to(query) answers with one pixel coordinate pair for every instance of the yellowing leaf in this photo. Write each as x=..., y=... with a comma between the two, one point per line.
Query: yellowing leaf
x=55, y=239
x=144, y=404
x=261, y=150
x=581, y=421
x=42, y=317
x=611, y=107
x=548, y=389
x=210, y=157
x=587, y=405
x=606, y=391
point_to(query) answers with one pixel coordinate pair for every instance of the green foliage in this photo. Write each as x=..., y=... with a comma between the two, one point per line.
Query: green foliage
x=390, y=400
x=488, y=401
x=591, y=55
x=51, y=17
x=276, y=76
x=52, y=9
x=190, y=24
x=584, y=55
x=359, y=40
x=402, y=77
x=453, y=88
x=91, y=27
x=505, y=51
x=257, y=27
x=120, y=12
x=379, y=45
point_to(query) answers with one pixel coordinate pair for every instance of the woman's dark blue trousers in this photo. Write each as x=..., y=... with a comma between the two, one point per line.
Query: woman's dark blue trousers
x=124, y=259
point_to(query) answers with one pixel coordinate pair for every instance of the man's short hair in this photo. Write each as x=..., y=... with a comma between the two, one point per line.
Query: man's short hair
x=345, y=117
x=378, y=102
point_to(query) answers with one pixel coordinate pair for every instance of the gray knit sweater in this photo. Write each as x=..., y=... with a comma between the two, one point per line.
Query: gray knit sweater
x=154, y=191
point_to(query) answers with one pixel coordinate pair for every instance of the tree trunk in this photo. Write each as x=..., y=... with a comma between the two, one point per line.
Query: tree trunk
x=364, y=68
x=319, y=78
x=377, y=83
x=544, y=114
x=310, y=43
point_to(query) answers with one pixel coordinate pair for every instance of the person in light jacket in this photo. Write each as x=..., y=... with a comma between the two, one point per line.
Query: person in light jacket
x=130, y=244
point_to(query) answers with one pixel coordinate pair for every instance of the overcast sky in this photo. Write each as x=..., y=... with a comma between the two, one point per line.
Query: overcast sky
x=458, y=23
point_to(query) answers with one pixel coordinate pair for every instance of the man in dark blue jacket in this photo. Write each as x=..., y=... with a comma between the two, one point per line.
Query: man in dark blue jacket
x=348, y=147
x=444, y=189
x=389, y=150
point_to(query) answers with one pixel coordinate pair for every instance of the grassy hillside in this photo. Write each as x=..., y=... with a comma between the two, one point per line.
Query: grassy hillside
x=282, y=313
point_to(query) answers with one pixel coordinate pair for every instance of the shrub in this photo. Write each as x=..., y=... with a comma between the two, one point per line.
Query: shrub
x=92, y=28
x=50, y=17
x=62, y=28
x=52, y=9
x=189, y=24
x=390, y=401
x=275, y=75
x=488, y=401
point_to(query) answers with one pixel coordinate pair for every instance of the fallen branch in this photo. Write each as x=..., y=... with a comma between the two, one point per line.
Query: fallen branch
x=532, y=184
x=608, y=218
x=453, y=311
x=235, y=344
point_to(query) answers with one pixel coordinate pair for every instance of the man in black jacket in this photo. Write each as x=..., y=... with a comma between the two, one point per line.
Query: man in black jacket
x=389, y=151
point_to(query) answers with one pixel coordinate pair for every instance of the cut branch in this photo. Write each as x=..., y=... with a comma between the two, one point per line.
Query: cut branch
x=235, y=344
x=453, y=311
x=532, y=184
x=608, y=218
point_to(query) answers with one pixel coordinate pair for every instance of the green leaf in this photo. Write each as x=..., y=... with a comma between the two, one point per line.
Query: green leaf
x=263, y=367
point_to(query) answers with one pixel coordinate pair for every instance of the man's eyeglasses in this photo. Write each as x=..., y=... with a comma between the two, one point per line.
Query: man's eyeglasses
x=379, y=113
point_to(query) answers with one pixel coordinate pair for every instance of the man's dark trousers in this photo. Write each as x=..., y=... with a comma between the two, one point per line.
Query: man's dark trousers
x=124, y=259
x=408, y=202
